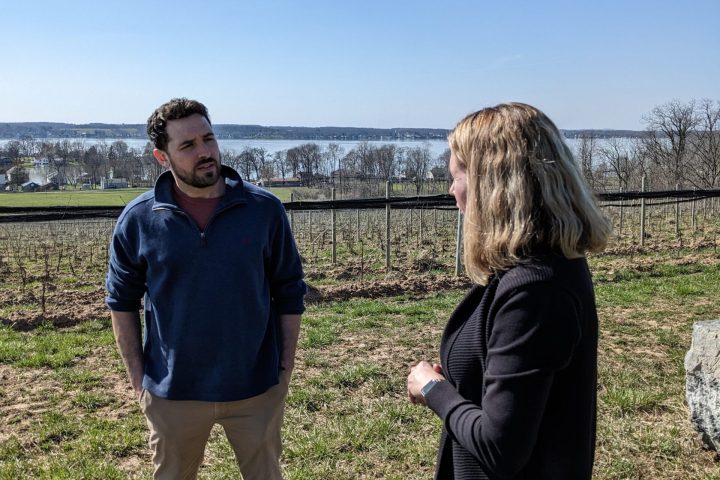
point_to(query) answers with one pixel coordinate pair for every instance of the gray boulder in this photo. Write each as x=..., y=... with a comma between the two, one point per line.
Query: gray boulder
x=702, y=367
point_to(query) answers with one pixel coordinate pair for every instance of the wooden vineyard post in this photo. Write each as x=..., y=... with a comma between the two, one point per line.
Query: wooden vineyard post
x=292, y=213
x=458, y=243
x=677, y=212
x=642, y=212
x=622, y=214
x=410, y=227
x=332, y=226
x=357, y=226
x=310, y=225
x=387, y=226
x=692, y=211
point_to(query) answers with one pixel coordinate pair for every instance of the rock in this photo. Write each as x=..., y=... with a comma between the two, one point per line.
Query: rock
x=702, y=367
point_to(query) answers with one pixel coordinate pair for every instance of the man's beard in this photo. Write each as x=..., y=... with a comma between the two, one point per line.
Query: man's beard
x=198, y=180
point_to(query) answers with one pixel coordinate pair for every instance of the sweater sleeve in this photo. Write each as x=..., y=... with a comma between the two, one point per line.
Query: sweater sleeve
x=286, y=275
x=125, y=281
x=534, y=335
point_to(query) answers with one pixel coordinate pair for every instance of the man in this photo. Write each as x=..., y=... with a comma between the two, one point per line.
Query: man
x=215, y=260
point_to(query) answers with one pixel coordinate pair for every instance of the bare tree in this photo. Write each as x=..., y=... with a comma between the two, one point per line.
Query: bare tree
x=705, y=145
x=280, y=163
x=332, y=154
x=350, y=162
x=231, y=159
x=307, y=159
x=151, y=168
x=92, y=162
x=261, y=163
x=363, y=159
x=292, y=156
x=417, y=163
x=73, y=173
x=642, y=164
x=443, y=160
x=13, y=151
x=28, y=146
x=68, y=161
x=616, y=157
x=667, y=143
x=386, y=159
x=267, y=170
x=120, y=160
x=586, y=156
x=246, y=162
x=61, y=161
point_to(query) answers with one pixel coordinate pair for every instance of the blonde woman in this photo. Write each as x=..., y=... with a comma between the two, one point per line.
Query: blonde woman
x=517, y=387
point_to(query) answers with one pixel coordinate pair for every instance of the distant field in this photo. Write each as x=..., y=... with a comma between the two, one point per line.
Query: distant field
x=92, y=198
x=83, y=198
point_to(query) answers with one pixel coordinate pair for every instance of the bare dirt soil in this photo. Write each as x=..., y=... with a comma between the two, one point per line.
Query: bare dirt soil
x=69, y=305
x=64, y=307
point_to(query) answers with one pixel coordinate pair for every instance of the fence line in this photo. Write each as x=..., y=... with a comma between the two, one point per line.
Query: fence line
x=443, y=201
x=421, y=232
x=610, y=201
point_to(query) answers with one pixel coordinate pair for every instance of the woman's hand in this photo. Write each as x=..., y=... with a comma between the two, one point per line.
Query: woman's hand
x=419, y=376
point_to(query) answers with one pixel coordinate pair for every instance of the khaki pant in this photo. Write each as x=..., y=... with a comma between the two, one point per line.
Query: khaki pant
x=179, y=431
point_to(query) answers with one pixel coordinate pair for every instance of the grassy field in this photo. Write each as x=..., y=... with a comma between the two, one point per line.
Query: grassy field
x=120, y=197
x=66, y=411
x=95, y=198
x=73, y=198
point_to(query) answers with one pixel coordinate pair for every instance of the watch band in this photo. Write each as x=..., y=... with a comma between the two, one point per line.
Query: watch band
x=429, y=386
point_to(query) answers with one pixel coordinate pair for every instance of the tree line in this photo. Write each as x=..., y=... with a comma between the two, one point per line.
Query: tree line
x=309, y=164
x=679, y=149
x=76, y=162
x=317, y=166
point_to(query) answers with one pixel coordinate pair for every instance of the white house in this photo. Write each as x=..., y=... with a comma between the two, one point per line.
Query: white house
x=110, y=183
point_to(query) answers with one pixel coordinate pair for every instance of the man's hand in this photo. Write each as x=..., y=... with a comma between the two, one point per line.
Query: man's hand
x=126, y=327
x=289, y=332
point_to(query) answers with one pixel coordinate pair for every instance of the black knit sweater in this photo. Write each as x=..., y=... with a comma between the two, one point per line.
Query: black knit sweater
x=520, y=356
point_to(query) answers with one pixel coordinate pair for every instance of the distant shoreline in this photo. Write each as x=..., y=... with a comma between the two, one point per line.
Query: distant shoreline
x=99, y=131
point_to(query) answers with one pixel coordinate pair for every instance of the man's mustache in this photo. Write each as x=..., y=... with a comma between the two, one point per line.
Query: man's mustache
x=206, y=161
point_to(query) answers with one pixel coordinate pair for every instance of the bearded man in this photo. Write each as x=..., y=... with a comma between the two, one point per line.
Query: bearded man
x=214, y=259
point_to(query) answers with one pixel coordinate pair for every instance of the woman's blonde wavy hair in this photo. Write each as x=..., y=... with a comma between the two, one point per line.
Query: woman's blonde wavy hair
x=525, y=192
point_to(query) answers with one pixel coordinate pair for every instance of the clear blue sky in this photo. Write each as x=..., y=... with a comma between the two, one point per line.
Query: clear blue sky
x=587, y=64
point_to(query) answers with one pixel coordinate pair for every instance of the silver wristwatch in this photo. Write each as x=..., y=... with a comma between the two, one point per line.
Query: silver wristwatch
x=429, y=386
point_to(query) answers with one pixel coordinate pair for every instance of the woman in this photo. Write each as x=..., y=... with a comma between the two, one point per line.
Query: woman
x=517, y=388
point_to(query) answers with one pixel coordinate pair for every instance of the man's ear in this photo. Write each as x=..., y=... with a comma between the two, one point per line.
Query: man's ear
x=161, y=157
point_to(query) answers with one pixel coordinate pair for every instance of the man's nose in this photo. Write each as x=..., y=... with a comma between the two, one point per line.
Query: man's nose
x=203, y=151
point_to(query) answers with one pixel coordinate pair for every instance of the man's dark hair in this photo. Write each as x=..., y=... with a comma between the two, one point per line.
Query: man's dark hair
x=175, y=109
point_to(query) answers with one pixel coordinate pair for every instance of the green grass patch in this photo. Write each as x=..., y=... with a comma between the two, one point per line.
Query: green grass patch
x=52, y=347
x=103, y=198
x=84, y=198
x=631, y=399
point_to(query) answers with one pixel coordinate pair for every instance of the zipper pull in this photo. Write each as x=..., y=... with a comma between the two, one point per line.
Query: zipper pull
x=203, y=240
